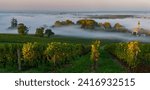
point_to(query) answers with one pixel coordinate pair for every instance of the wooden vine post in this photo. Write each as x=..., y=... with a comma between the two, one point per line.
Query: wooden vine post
x=19, y=59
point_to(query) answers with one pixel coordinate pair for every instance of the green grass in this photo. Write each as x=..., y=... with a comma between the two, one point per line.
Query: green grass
x=15, y=38
x=82, y=64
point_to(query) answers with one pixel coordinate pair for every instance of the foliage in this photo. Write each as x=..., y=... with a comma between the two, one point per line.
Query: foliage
x=22, y=29
x=58, y=52
x=107, y=25
x=49, y=32
x=57, y=24
x=14, y=23
x=120, y=27
x=133, y=53
x=95, y=47
x=8, y=54
x=63, y=23
x=69, y=22
x=144, y=55
x=87, y=24
x=95, y=50
x=30, y=53
x=39, y=32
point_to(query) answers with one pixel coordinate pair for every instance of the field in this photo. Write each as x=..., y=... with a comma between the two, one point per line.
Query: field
x=77, y=64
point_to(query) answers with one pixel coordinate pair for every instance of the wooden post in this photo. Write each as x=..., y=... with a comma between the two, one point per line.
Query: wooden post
x=19, y=59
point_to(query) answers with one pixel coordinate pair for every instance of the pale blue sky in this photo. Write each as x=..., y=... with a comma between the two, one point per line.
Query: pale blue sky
x=75, y=5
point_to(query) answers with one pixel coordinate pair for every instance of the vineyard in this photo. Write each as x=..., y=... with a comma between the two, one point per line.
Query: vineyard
x=55, y=54
x=71, y=55
x=134, y=54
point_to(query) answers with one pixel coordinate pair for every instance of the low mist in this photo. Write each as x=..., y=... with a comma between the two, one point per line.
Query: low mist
x=34, y=21
x=77, y=32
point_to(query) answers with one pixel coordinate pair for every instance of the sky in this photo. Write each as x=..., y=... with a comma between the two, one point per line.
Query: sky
x=75, y=5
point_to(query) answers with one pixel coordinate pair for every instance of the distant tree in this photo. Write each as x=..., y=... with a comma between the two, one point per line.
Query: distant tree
x=63, y=23
x=39, y=32
x=49, y=32
x=80, y=22
x=58, y=24
x=14, y=23
x=118, y=26
x=90, y=24
x=87, y=24
x=101, y=26
x=22, y=29
x=69, y=22
x=107, y=25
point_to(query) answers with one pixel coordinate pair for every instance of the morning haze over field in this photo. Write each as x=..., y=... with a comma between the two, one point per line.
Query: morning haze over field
x=75, y=36
x=76, y=5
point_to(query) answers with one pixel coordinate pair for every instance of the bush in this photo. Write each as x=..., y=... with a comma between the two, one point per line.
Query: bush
x=39, y=32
